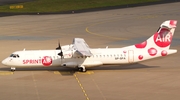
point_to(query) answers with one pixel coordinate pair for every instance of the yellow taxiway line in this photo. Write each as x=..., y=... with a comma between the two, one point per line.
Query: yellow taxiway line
x=6, y=73
x=82, y=88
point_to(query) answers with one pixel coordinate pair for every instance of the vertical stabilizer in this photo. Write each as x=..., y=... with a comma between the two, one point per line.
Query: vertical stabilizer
x=162, y=38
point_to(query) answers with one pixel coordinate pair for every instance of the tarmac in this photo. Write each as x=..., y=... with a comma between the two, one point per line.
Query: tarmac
x=156, y=79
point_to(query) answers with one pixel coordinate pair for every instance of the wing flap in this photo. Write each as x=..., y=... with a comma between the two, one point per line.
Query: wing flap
x=81, y=47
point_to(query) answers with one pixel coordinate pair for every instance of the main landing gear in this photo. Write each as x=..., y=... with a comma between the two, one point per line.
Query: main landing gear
x=13, y=69
x=82, y=68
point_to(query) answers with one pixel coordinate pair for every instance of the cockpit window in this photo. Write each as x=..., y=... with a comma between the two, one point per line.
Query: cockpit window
x=14, y=55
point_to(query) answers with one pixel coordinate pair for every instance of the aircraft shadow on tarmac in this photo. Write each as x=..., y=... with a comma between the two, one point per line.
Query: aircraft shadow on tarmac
x=70, y=71
x=122, y=67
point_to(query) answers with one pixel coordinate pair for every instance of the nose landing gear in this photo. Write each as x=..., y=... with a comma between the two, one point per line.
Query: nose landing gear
x=13, y=69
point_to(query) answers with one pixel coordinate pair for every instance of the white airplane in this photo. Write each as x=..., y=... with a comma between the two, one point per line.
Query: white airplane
x=79, y=55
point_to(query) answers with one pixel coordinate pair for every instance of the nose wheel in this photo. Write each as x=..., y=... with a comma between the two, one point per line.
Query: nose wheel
x=13, y=69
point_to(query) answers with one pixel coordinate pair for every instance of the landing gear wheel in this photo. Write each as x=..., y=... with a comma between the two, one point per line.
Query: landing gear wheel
x=13, y=69
x=82, y=69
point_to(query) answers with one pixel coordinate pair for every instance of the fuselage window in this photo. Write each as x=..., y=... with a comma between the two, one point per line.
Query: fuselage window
x=14, y=55
x=11, y=55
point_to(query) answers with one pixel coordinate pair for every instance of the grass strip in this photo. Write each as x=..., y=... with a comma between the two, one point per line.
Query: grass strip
x=43, y=6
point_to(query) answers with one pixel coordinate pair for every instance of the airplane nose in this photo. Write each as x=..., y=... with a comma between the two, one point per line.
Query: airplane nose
x=4, y=62
x=7, y=62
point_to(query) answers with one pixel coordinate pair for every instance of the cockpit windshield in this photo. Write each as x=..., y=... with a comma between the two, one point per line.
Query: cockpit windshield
x=14, y=55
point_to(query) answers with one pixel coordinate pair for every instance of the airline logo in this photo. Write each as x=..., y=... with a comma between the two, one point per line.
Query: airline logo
x=47, y=61
x=163, y=38
x=32, y=61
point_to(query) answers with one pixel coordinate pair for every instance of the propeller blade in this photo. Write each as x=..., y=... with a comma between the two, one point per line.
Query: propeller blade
x=59, y=46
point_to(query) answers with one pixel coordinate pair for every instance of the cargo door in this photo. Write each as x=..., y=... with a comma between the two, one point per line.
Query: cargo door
x=131, y=56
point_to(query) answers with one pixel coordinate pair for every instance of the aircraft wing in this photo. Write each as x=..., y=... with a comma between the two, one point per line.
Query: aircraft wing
x=81, y=47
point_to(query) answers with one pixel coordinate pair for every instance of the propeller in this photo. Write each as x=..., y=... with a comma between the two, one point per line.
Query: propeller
x=59, y=48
